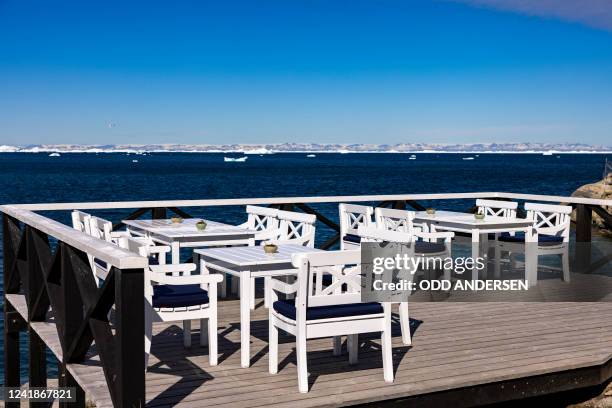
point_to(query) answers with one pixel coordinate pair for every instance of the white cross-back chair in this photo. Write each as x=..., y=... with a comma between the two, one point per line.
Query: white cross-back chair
x=262, y=220
x=83, y=222
x=323, y=311
x=551, y=225
x=497, y=208
x=351, y=218
x=296, y=228
x=80, y=222
x=173, y=294
x=394, y=225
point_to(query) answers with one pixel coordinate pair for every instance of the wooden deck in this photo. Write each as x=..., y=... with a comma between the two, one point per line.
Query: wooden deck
x=471, y=352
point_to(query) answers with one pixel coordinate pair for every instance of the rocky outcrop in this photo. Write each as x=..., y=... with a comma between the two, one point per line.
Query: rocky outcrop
x=602, y=190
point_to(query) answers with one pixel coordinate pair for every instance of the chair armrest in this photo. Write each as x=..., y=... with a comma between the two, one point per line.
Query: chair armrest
x=158, y=249
x=172, y=268
x=212, y=278
x=283, y=287
x=120, y=234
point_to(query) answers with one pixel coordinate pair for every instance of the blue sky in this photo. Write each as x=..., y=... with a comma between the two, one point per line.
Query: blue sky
x=379, y=71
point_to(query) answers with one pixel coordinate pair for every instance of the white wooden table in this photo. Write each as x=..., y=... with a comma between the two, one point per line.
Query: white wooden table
x=480, y=230
x=186, y=235
x=246, y=263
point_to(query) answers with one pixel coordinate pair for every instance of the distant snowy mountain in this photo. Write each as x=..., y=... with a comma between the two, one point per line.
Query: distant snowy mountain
x=526, y=147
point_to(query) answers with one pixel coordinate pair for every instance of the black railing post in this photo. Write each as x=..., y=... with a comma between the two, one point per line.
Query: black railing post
x=584, y=220
x=38, y=363
x=129, y=325
x=66, y=379
x=13, y=323
x=158, y=213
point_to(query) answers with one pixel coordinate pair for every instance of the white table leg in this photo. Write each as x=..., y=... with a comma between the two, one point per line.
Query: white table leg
x=484, y=250
x=245, y=319
x=267, y=284
x=252, y=296
x=176, y=252
x=475, y=251
x=531, y=258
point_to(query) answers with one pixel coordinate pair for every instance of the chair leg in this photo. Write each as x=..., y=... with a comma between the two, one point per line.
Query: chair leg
x=187, y=333
x=234, y=285
x=302, y=363
x=387, y=355
x=212, y=339
x=497, y=263
x=223, y=290
x=352, y=343
x=565, y=264
x=337, y=346
x=203, y=332
x=405, y=323
x=272, y=347
x=148, y=334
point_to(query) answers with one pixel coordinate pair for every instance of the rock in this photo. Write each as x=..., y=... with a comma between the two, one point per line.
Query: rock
x=602, y=190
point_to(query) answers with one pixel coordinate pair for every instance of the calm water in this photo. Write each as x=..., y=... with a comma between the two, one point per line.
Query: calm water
x=30, y=178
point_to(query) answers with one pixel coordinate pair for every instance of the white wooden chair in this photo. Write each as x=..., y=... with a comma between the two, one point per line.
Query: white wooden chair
x=497, y=208
x=390, y=222
x=173, y=294
x=80, y=221
x=351, y=218
x=552, y=228
x=319, y=311
x=83, y=222
x=296, y=228
x=262, y=220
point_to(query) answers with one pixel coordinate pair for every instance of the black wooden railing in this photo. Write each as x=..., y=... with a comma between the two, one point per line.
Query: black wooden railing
x=63, y=280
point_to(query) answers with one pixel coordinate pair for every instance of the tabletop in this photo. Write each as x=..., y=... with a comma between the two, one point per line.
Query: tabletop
x=187, y=228
x=466, y=219
x=254, y=255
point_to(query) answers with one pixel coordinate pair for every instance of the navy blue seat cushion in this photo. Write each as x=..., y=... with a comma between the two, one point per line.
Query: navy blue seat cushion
x=422, y=247
x=179, y=295
x=352, y=238
x=520, y=237
x=287, y=309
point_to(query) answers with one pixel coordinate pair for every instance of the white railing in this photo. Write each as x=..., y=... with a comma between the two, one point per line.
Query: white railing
x=305, y=200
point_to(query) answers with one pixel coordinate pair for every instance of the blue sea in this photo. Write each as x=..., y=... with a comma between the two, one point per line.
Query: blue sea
x=78, y=177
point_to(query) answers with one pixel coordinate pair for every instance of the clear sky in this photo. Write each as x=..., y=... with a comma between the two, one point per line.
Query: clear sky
x=379, y=71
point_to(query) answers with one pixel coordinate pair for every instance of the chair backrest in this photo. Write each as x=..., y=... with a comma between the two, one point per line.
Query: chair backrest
x=80, y=221
x=296, y=228
x=100, y=228
x=345, y=268
x=550, y=219
x=352, y=216
x=499, y=208
x=390, y=219
x=261, y=218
